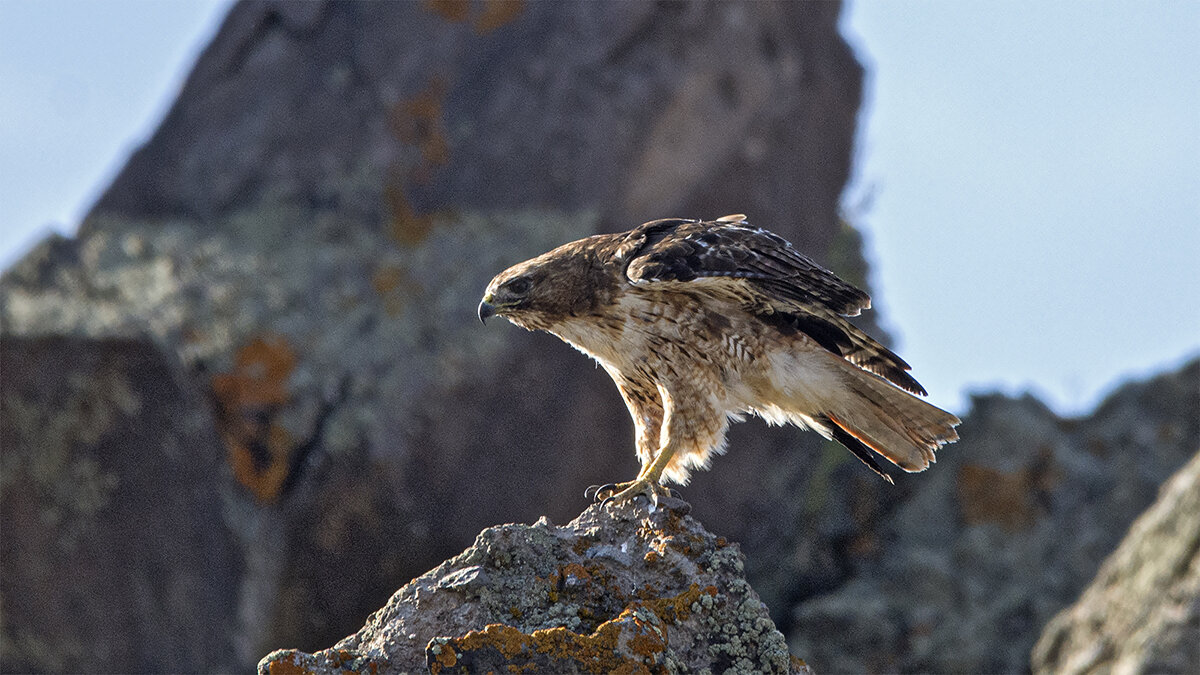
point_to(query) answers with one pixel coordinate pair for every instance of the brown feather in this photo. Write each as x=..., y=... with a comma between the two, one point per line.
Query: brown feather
x=698, y=322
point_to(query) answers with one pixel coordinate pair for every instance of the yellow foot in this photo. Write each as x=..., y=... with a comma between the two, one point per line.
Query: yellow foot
x=623, y=492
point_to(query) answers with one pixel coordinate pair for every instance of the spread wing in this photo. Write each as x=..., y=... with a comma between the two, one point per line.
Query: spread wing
x=782, y=286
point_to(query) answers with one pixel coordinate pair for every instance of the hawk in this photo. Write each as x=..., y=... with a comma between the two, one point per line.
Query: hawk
x=700, y=322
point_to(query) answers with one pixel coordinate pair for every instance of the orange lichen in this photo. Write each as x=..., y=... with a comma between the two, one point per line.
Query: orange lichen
x=287, y=666
x=673, y=535
x=392, y=283
x=454, y=11
x=350, y=662
x=592, y=653
x=597, y=652
x=649, y=640
x=587, y=584
x=387, y=279
x=647, y=593
x=689, y=545
x=418, y=121
x=248, y=401
x=260, y=373
x=497, y=13
x=990, y=496
x=446, y=657
x=407, y=227
x=679, y=607
x=493, y=15
x=1009, y=499
x=575, y=570
x=507, y=640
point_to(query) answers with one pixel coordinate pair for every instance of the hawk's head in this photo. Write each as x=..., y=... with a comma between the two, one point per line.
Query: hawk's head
x=541, y=292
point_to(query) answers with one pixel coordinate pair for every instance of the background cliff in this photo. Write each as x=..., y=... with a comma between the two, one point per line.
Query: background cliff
x=1142, y=611
x=296, y=255
x=249, y=400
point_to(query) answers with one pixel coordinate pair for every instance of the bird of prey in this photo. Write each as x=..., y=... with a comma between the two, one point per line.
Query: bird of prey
x=699, y=322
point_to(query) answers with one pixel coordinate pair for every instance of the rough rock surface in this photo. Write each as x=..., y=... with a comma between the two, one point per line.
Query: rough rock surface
x=1141, y=614
x=1005, y=531
x=113, y=555
x=630, y=588
x=305, y=237
x=298, y=252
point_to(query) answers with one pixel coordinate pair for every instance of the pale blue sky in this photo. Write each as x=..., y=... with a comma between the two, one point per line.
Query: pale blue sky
x=1028, y=175
x=1035, y=172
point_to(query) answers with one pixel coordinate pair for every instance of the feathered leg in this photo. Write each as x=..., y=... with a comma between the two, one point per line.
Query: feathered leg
x=676, y=436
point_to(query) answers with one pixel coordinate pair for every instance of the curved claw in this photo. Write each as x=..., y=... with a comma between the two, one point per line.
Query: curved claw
x=634, y=489
x=594, y=491
x=612, y=498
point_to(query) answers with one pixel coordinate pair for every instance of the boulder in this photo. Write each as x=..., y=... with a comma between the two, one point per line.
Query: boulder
x=115, y=552
x=1002, y=533
x=1141, y=614
x=306, y=235
x=634, y=588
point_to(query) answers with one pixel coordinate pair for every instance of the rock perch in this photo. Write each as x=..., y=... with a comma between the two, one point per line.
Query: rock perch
x=629, y=588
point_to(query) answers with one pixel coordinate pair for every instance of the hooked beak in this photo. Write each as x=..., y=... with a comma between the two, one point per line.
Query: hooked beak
x=486, y=309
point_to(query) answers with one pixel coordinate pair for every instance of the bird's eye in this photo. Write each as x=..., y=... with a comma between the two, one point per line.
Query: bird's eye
x=519, y=286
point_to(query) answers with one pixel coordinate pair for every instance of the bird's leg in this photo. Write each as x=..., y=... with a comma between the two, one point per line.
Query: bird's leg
x=646, y=407
x=647, y=482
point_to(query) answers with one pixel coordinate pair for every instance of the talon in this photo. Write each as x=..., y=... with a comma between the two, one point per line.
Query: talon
x=594, y=491
x=639, y=488
x=676, y=494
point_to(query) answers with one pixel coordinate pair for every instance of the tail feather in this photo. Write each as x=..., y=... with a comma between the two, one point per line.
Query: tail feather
x=861, y=450
x=889, y=421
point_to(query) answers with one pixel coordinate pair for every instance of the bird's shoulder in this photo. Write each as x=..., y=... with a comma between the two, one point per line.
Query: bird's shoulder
x=678, y=250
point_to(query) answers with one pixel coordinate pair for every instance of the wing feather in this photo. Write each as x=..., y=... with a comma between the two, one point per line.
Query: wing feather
x=682, y=250
x=787, y=288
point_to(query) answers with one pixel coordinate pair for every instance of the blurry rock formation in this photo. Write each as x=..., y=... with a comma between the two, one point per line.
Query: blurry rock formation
x=631, y=588
x=298, y=251
x=1141, y=614
x=249, y=400
x=115, y=549
x=1002, y=533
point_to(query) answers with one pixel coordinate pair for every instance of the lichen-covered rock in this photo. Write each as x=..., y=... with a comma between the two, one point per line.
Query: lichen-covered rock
x=110, y=480
x=629, y=588
x=1004, y=532
x=1141, y=614
x=306, y=235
